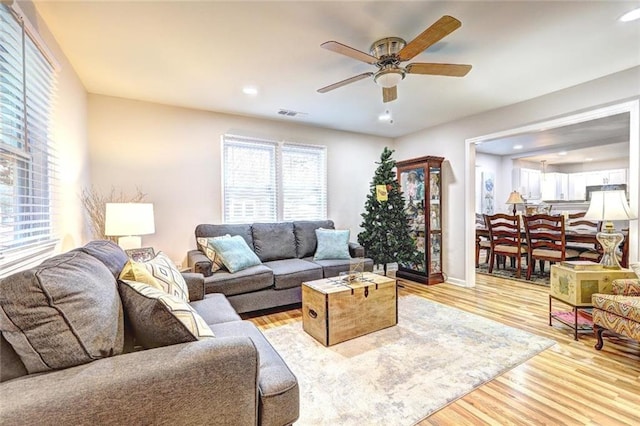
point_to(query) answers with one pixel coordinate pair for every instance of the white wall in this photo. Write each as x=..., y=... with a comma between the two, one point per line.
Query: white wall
x=69, y=133
x=448, y=140
x=174, y=156
x=493, y=164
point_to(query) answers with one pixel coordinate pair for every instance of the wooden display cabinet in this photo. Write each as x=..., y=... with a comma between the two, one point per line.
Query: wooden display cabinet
x=421, y=183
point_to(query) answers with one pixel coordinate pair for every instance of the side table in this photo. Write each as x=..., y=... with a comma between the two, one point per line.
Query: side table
x=574, y=286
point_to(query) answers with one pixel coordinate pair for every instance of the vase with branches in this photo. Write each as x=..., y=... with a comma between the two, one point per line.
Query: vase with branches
x=94, y=203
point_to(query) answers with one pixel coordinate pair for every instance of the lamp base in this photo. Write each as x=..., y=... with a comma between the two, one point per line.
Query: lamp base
x=609, y=240
x=130, y=242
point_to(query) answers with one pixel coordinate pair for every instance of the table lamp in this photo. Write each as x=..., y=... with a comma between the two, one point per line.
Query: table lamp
x=607, y=206
x=515, y=198
x=128, y=221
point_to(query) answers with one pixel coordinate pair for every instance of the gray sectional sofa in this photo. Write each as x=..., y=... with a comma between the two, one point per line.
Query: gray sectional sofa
x=286, y=250
x=67, y=355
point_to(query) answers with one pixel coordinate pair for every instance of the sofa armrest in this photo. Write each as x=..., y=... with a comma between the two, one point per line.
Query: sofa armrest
x=204, y=382
x=626, y=287
x=356, y=250
x=199, y=262
x=195, y=283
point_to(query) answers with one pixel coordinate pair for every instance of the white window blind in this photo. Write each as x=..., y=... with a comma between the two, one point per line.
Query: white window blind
x=27, y=160
x=268, y=181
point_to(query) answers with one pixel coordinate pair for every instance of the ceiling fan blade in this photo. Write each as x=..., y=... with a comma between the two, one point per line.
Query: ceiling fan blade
x=449, y=70
x=436, y=32
x=344, y=82
x=343, y=49
x=389, y=94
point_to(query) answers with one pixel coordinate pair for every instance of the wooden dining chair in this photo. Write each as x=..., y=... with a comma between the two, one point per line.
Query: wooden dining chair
x=505, y=237
x=545, y=236
x=577, y=223
x=482, y=242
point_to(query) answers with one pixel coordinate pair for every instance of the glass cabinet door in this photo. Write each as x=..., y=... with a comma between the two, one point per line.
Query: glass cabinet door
x=421, y=183
x=412, y=182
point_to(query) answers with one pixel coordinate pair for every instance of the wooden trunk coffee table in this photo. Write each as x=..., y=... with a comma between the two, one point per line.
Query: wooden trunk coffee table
x=335, y=310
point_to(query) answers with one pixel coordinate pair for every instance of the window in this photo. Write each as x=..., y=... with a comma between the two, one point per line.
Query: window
x=269, y=181
x=26, y=156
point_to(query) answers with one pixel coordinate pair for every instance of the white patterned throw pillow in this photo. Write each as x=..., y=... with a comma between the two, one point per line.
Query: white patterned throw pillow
x=205, y=245
x=160, y=273
x=160, y=319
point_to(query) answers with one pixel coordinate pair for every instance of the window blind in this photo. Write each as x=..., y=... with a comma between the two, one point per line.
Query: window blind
x=304, y=182
x=27, y=159
x=269, y=181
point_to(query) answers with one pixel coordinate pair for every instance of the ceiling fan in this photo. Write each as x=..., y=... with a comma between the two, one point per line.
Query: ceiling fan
x=388, y=53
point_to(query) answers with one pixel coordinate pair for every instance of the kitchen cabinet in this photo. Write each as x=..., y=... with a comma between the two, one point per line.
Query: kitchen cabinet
x=555, y=186
x=527, y=182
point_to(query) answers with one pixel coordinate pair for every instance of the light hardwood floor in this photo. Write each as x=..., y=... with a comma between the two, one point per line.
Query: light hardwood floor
x=569, y=384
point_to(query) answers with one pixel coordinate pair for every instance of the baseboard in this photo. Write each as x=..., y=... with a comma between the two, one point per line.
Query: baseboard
x=456, y=281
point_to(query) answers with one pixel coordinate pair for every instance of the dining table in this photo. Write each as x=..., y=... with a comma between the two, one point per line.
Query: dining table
x=571, y=236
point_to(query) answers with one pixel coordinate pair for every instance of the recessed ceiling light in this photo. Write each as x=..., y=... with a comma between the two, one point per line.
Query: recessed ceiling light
x=588, y=159
x=250, y=90
x=562, y=153
x=517, y=147
x=630, y=16
x=385, y=116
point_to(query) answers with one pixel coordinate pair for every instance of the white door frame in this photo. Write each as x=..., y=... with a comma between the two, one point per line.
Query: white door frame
x=632, y=107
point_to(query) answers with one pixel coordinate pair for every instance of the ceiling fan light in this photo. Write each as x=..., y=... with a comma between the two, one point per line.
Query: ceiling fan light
x=389, y=77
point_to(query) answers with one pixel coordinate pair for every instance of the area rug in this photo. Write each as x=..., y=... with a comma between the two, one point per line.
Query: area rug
x=402, y=374
x=536, y=278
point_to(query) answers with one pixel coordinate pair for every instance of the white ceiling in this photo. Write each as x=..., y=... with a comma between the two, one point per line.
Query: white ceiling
x=201, y=54
x=602, y=139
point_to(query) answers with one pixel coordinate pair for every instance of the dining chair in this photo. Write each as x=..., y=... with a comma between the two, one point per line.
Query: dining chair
x=505, y=238
x=482, y=242
x=545, y=237
x=576, y=223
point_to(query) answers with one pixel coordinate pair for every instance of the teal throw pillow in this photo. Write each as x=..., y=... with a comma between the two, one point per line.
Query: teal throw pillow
x=235, y=253
x=332, y=244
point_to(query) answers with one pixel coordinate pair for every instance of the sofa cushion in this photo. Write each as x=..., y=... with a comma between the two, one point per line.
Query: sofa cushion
x=289, y=273
x=274, y=241
x=209, y=230
x=160, y=273
x=333, y=267
x=251, y=279
x=277, y=385
x=215, y=308
x=108, y=253
x=332, y=244
x=158, y=318
x=10, y=364
x=305, y=233
x=235, y=253
x=623, y=306
x=204, y=245
x=62, y=313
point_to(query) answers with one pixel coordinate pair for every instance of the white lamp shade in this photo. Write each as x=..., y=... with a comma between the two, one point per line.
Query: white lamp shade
x=515, y=198
x=124, y=219
x=609, y=205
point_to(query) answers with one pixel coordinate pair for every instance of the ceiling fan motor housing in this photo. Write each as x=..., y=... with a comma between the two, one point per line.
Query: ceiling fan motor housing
x=387, y=48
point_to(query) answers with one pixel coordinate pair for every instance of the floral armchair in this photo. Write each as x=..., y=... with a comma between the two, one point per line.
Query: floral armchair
x=620, y=311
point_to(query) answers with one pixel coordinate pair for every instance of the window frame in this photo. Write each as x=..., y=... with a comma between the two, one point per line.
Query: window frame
x=281, y=149
x=26, y=145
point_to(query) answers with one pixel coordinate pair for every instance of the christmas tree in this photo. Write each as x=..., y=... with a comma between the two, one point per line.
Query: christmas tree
x=386, y=237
